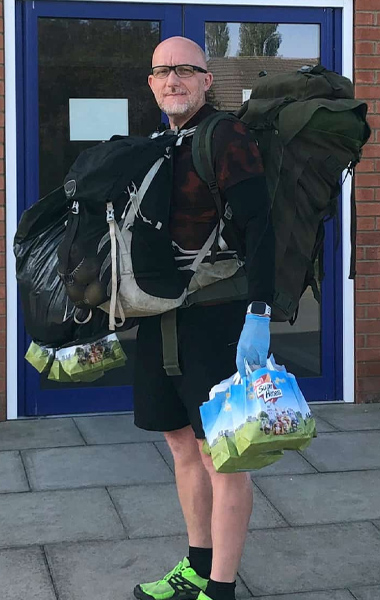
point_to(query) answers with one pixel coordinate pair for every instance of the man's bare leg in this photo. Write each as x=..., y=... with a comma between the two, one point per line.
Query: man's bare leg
x=193, y=485
x=232, y=507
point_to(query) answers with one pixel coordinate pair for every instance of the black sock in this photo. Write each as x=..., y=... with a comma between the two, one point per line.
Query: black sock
x=219, y=590
x=200, y=560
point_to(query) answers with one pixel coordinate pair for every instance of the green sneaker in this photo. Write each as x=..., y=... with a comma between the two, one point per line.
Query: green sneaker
x=182, y=582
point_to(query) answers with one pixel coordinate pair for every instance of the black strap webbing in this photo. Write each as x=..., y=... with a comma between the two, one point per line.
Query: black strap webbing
x=71, y=230
x=353, y=229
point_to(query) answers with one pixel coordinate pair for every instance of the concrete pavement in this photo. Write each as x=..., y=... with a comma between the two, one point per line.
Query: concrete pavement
x=88, y=507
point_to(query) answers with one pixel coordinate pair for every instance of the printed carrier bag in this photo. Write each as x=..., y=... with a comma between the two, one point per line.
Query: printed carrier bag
x=249, y=422
x=217, y=419
x=270, y=412
x=87, y=362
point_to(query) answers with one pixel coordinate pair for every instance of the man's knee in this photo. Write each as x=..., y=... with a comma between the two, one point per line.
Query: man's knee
x=183, y=444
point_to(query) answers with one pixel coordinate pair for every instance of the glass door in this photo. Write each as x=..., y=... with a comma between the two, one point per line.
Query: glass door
x=82, y=73
x=242, y=43
x=86, y=67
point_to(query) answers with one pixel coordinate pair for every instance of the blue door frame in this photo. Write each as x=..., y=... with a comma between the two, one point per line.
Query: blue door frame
x=185, y=20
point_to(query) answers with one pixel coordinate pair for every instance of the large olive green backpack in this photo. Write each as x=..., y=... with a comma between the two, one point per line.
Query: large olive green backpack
x=309, y=129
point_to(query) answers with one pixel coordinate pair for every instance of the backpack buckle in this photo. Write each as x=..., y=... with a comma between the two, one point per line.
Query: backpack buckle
x=110, y=215
x=213, y=187
x=228, y=212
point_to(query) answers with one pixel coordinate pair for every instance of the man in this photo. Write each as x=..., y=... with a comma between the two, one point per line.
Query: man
x=216, y=506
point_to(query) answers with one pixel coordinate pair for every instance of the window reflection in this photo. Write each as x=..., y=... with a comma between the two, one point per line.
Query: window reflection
x=238, y=52
x=90, y=58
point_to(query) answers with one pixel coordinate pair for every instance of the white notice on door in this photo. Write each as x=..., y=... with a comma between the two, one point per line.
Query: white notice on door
x=97, y=119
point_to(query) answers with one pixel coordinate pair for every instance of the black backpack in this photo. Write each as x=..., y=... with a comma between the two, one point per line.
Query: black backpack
x=99, y=193
x=309, y=129
x=51, y=319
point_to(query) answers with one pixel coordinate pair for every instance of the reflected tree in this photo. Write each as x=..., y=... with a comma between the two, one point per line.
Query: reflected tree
x=259, y=39
x=217, y=39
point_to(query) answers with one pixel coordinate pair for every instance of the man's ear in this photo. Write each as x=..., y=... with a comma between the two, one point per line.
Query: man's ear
x=150, y=81
x=209, y=78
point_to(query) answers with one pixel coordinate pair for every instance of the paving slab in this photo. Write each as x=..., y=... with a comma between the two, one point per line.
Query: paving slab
x=291, y=463
x=154, y=510
x=367, y=593
x=312, y=558
x=351, y=417
x=264, y=515
x=24, y=575
x=90, y=466
x=110, y=570
x=325, y=498
x=12, y=473
x=149, y=510
x=39, y=433
x=345, y=451
x=165, y=452
x=114, y=429
x=322, y=425
x=330, y=595
x=47, y=517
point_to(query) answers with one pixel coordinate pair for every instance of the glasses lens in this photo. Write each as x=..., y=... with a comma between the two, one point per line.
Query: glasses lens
x=184, y=71
x=160, y=72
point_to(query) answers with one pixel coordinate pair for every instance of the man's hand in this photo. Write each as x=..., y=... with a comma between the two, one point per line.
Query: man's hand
x=253, y=344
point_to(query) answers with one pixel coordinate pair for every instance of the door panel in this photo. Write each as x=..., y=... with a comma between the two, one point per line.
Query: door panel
x=240, y=44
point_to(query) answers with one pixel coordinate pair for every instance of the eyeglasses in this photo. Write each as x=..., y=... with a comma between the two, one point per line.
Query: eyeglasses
x=182, y=71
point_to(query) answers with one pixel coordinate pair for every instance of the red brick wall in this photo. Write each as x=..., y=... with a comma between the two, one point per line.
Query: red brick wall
x=2, y=229
x=367, y=292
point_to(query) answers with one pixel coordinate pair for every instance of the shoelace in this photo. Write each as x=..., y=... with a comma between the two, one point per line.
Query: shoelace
x=174, y=571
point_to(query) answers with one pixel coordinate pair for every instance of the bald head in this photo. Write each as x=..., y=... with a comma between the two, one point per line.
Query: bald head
x=180, y=97
x=176, y=47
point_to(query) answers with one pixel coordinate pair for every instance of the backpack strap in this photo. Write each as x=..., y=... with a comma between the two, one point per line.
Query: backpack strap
x=203, y=161
x=71, y=231
x=353, y=227
x=170, y=343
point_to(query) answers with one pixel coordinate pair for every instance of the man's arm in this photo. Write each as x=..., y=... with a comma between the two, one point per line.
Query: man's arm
x=250, y=207
x=241, y=179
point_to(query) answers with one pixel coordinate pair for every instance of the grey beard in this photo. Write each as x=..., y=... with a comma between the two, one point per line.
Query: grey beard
x=176, y=108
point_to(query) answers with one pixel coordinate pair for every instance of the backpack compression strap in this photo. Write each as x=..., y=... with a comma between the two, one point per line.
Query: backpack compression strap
x=204, y=164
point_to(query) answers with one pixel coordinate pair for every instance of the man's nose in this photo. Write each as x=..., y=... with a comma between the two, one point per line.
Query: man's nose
x=173, y=78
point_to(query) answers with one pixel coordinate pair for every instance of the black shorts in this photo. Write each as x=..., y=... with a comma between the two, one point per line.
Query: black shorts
x=207, y=342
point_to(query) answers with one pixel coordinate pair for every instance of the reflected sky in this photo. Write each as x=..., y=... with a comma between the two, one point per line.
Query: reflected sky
x=298, y=40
